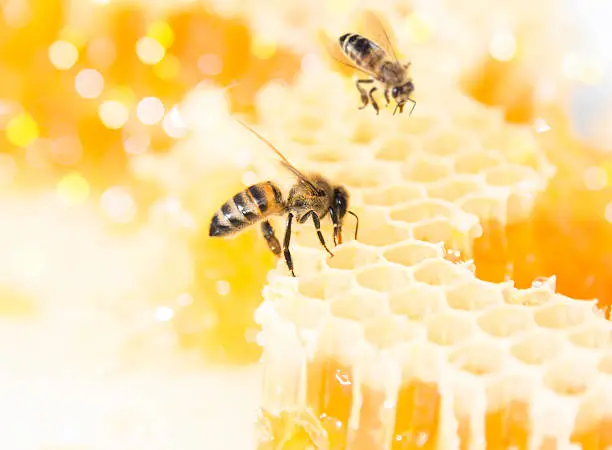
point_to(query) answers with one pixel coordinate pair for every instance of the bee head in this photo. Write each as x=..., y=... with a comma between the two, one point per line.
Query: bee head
x=339, y=206
x=401, y=94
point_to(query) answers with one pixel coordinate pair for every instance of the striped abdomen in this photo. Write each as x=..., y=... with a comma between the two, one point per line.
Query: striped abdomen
x=247, y=207
x=362, y=51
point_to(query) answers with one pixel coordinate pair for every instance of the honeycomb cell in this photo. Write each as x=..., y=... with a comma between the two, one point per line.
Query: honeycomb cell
x=418, y=125
x=454, y=188
x=439, y=272
x=387, y=330
x=323, y=153
x=537, y=347
x=449, y=328
x=420, y=210
x=393, y=195
x=570, y=376
x=560, y=315
x=594, y=419
x=384, y=278
x=324, y=285
x=605, y=363
x=474, y=295
x=486, y=205
x=435, y=230
x=417, y=301
x=480, y=358
x=490, y=122
x=509, y=175
x=352, y=255
x=366, y=175
x=505, y=321
x=397, y=148
x=592, y=335
x=531, y=297
x=306, y=261
x=476, y=162
x=358, y=305
x=381, y=234
x=303, y=312
x=426, y=169
x=446, y=143
x=413, y=252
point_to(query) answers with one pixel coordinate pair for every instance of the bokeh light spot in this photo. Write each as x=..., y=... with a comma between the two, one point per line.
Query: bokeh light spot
x=608, y=212
x=16, y=13
x=21, y=130
x=167, y=68
x=185, y=299
x=149, y=50
x=164, y=314
x=101, y=52
x=63, y=55
x=118, y=204
x=113, y=114
x=502, y=46
x=173, y=124
x=222, y=287
x=595, y=178
x=8, y=169
x=162, y=33
x=73, y=189
x=150, y=110
x=67, y=150
x=89, y=83
x=263, y=48
x=137, y=144
x=210, y=64
x=541, y=126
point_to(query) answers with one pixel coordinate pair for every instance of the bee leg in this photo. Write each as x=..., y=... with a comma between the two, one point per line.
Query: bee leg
x=363, y=92
x=334, y=219
x=286, y=242
x=387, y=97
x=270, y=237
x=372, y=100
x=317, y=224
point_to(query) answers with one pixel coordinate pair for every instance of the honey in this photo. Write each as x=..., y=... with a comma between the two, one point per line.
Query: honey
x=335, y=401
x=371, y=430
x=416, y=417
x=508, y=427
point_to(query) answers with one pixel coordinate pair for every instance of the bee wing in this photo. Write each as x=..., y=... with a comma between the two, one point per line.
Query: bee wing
x=284, y=161
x=333, y=50
x=374, y=27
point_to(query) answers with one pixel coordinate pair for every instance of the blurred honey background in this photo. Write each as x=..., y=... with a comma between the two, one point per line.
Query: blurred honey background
x=123, y=325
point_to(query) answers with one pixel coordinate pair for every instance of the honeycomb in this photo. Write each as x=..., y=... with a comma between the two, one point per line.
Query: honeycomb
x=398, y=341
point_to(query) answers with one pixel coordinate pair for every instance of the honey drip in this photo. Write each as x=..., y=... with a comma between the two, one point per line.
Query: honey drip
x=508, y=427
x=370, y=433
x=417, y=417
x=596, y=438
x=336, y=399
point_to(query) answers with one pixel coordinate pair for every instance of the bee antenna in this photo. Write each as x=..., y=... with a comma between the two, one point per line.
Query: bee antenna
x=413, y=106
x=357, y=222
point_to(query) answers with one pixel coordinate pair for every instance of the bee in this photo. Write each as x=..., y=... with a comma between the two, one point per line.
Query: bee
x=311, y=197
x=375, y=57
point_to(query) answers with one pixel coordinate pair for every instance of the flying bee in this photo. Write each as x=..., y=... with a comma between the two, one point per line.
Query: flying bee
x=311, y=197
x=375, y=57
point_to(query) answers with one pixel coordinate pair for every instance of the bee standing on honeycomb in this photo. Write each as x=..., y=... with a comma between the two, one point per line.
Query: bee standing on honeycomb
x=312, y=196
x=376, y=58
